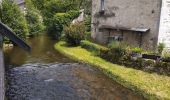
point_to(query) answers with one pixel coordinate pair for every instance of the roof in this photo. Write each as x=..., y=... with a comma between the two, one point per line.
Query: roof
x=143, y=30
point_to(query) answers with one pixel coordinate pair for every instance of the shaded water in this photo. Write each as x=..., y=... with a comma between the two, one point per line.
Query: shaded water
x=47, y=75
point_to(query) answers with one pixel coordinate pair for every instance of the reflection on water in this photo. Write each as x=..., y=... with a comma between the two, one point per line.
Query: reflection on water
x=42, y=52
x=63, y=82
x=44, y=74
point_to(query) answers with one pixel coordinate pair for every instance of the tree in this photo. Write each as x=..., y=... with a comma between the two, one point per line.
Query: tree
x=39, y=4
x=57, y=13
x=34, y=19
x=56, y=24
x=12, y=16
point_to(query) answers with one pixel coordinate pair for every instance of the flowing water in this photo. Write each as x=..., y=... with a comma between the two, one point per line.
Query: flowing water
x=44, y=74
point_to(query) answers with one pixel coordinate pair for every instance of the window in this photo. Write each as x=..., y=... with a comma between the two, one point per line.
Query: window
x=102, y=7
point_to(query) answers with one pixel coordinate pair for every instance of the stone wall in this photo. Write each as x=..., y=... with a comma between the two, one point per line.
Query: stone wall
x=130, y=14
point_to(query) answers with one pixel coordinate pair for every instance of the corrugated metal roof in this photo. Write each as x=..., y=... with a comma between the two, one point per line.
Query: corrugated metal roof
x=124, y=28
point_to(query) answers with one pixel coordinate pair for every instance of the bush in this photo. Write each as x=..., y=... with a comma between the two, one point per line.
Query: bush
x=88, y=35
x=137, y=50
x=51, y=7
x=122, y=57
x=161, y=47
x=116, y=53
x=12, y=16
x=114, y=44
x=88, y=23
x=74, y=33
x=56, y=24
x=34, y=19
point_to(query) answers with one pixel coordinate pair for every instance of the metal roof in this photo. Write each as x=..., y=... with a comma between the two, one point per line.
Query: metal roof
x=143, y=30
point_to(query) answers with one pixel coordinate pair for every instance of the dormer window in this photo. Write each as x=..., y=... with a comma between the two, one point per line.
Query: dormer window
x=102, y=7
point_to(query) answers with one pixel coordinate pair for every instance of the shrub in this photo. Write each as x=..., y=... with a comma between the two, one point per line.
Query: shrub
x=51, y=7
x=161, y=47
x=12, y=16
x=39, y=4
x=166, y=55
x=74, y=33
x=88, y=35
x=116, y=53
x=114, y=44
x=137, y=50
x=122, y=57
x=34, y=19
x=88, y=23
x=56, y=24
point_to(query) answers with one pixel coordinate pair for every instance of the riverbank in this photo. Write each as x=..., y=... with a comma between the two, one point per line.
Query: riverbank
x=151, y=86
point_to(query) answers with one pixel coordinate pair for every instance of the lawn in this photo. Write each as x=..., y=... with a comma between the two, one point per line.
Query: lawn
x=151, y=85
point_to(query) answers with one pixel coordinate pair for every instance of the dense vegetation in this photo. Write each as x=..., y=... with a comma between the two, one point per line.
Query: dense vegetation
x=74, y=33
x=26, y=22
x=39, y=15
x=58, y=14
x=34, y=19
x=56, y=24
x=148, y=84
x=12, y=16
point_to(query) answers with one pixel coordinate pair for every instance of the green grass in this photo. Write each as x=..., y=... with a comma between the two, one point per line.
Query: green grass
x=151, y=86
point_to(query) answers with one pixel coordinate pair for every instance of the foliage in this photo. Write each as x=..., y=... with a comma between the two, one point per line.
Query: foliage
x=137, y=50
x=52, y=7
x=166, y=54
x=56, y=24
x=86, y=5
x=74, y=33
x=116, y=53
x=88, y=23
x=12, y=16
x=121, y=56
x=88, y=35
x=147, y=84
x=34, y=19
x=161, y=47
x=114, y=44
x=93, y=47
x=59, y=13
x=39, y=4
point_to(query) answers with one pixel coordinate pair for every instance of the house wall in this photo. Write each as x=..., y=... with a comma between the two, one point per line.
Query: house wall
x=130, y=14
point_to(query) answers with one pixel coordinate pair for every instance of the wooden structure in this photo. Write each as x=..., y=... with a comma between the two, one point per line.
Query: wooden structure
x=6, y=31
x=140, y=31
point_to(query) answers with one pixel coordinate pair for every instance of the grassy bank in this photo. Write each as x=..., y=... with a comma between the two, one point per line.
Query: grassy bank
x=151, y=86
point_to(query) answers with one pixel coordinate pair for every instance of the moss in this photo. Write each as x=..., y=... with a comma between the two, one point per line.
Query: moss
x=151, y=86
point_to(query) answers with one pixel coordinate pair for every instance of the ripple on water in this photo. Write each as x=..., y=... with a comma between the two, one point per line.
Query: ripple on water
x=69, y=81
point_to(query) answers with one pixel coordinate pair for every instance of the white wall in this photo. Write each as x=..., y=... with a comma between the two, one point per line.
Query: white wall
x=164, y=30
x=130, y=14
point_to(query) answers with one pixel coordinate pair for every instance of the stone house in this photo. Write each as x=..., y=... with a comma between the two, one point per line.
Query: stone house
x=135, y=22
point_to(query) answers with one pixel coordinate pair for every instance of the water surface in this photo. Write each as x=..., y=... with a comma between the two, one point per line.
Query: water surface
x=45, y=74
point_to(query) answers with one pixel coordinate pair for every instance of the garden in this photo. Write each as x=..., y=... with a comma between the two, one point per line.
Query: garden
x=144, y=72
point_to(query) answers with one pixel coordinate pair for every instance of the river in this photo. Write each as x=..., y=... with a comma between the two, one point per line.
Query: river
x=45, y=74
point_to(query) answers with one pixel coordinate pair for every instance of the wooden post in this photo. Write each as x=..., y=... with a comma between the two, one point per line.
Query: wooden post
x=2, y=88
x=140, y=41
